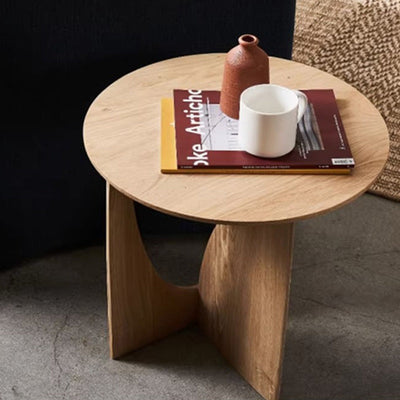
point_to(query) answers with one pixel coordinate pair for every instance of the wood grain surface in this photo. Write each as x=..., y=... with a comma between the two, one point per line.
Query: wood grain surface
x=244, y=292
x=122, y=139
x=241, y=301
x=141, y=306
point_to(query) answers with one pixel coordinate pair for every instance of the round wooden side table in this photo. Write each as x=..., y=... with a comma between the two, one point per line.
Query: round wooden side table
x=241, y=300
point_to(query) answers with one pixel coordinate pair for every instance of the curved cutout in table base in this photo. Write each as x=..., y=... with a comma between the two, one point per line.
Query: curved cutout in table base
x=141, y=306
x=240, y=303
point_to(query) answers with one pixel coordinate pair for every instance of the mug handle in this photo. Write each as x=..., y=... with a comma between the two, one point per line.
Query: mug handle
x=303, y=101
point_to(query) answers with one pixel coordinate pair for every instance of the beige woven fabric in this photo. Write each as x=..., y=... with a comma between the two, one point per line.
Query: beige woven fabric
x=359, y=42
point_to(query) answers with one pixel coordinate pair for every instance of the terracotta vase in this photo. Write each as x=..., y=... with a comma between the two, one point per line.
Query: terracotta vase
x=245, y=65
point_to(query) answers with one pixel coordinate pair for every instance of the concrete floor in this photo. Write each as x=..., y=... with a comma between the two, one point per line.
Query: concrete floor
x=343, y=338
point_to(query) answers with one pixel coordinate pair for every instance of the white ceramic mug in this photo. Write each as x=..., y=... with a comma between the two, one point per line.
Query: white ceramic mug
x=268, y=119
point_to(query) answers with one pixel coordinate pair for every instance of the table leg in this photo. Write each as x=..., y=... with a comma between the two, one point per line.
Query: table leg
x=244, y=291
x=141, y=306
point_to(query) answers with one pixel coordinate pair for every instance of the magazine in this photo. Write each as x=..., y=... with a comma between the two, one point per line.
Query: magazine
x=198, y=138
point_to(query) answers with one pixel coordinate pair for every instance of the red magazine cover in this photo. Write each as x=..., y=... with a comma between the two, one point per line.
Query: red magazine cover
x=207, y=139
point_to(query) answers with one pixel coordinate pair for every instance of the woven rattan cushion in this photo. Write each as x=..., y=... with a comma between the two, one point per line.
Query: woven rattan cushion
x=359, y=42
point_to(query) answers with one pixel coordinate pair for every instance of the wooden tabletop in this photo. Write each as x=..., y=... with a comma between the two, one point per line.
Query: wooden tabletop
x=122, y=139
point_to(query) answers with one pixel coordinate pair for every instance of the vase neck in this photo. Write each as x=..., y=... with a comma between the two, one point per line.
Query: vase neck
x=248, y=40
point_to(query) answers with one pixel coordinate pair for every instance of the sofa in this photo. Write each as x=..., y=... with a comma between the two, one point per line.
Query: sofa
x=57, y=56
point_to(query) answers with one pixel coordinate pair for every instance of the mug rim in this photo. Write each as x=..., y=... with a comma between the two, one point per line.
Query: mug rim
x=287, y=90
